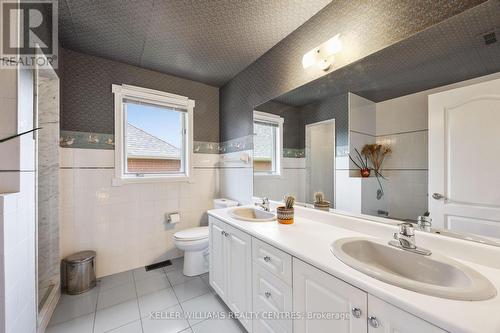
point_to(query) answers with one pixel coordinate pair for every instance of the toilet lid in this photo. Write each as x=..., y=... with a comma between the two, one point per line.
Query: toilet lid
x=192, y=233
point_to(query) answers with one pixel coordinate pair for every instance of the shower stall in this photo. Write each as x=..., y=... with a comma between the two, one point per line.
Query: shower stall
x=46, y=117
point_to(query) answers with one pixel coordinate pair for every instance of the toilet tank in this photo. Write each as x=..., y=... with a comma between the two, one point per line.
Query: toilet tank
x=224, y=203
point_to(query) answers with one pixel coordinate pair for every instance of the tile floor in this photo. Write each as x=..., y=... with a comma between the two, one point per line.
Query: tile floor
x=122, y=303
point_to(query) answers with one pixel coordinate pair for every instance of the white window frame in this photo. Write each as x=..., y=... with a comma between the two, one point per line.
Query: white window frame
x=122, y=92
x=275, y=119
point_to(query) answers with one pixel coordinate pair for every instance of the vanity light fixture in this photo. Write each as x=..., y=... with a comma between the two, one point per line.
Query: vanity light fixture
x=323, y=55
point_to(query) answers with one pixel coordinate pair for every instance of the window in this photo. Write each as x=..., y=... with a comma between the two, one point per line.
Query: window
x=268, y=144
x=153, y=135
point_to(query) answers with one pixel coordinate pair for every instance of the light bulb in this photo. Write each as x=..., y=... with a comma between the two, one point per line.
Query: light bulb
x=310, y=58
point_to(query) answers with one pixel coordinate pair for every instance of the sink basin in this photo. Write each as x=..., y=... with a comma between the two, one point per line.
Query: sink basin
x=433, y=275
x=251, y=214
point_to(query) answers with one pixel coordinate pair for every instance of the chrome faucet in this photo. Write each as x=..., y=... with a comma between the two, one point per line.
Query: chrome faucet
x=424, y=222
x=264, y=205
x=405, y=239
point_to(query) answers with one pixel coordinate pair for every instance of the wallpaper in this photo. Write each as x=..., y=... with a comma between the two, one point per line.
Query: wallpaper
x=87, y=100
x=365, y=27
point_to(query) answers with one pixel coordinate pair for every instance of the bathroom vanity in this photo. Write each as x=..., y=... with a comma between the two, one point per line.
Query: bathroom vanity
x=265, y=268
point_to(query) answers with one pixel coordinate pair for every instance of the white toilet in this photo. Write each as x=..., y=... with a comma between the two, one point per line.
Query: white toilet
x=194, y=243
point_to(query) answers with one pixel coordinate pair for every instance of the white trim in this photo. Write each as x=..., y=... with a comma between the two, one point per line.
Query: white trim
x=158, y=97
x=308, y=156
x=275, y=119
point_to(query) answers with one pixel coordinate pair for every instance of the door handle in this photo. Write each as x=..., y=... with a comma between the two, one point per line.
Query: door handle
x=438, y=196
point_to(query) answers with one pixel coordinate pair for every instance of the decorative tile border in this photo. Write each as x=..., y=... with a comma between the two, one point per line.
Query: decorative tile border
x=238, y=144
x=72, y=139
x=294, y=152
x=86, y=140
x=203, y=147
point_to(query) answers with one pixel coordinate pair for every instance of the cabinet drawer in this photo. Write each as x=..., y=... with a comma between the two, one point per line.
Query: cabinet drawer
x=275, y=261
x=271, y=297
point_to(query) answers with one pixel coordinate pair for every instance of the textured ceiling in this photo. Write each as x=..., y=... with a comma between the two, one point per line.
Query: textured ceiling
x=208, y=41
x=449, y=52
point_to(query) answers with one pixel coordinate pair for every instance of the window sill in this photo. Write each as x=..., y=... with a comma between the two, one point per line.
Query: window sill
x=145, y=180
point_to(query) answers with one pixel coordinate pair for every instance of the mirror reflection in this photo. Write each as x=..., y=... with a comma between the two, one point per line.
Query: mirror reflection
x=393, y=139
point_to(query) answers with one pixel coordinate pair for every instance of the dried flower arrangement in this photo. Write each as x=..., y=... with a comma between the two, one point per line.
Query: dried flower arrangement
x=361, y=163
x=375, y=153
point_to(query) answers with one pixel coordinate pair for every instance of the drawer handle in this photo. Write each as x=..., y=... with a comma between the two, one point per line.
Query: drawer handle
x=373, y=321
x=267, y=258
x=268, y=294
x=356, y=312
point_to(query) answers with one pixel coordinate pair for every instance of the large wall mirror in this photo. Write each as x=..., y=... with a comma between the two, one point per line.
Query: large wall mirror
x=410, y=131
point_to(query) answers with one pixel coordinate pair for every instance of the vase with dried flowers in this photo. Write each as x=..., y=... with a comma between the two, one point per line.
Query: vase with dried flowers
x=361, y=163
x=285, y=213
x=376, y=153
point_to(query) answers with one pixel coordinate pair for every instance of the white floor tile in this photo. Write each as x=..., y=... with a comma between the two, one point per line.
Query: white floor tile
x=151, y=284
x=115, y=280
x=177, y=323
x=141, y=273
x=176, y=277
x=219, y=326
x=177, y=264
x=73, y=309
x=157, y=301
x=201, y=305
x=82, y=324
x=116, y=316
x=116, y=295
x=91, y=295
x=135, y=327
x=205, y=278
x=190, y=289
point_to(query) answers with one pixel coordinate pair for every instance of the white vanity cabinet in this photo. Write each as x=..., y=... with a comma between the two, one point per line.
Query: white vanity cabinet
x=252, y=276
x=319, y=293
x=231, y=267
x=386, y=318
x=272, y=288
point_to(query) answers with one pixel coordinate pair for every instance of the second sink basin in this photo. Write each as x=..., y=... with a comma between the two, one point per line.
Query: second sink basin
x=251, y=214
x=433, y=275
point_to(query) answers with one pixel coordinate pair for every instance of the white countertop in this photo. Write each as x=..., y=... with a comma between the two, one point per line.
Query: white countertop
x=310, y=241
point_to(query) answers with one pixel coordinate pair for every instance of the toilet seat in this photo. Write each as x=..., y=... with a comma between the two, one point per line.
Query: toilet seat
x=191, y=234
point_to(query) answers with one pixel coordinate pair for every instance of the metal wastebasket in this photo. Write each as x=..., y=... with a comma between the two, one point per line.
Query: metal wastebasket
x=78, y=272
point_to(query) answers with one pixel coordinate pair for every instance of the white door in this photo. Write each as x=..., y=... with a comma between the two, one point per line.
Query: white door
x=320, y=160
x=239, y=273
x=386, y=318
x=318, y=293
x=217, y=274
x=464, y=159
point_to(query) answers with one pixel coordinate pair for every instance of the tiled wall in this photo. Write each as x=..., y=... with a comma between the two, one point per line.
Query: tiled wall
x=402, y=124
x=292, y=180
x=126, y=225
x=17, y=205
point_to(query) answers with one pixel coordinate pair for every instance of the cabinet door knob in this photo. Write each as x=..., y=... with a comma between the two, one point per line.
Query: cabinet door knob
x=267, y=258
x=268, y=294
x=226, y=234
x=356, y=312
x=222, y=232
x=373, y=321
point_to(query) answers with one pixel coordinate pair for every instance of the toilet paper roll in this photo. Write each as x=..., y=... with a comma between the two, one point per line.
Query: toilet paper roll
x=174, y=218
